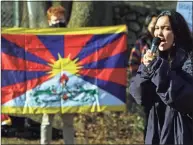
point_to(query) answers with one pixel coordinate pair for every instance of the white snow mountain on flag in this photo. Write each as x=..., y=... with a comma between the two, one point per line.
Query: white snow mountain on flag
x=74, y=92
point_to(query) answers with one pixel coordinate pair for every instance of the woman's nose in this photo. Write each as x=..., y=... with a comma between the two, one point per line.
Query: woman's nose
x=159, y=32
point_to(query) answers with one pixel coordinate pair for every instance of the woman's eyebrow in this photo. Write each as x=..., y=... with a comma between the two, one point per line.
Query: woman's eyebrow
x=162, y=26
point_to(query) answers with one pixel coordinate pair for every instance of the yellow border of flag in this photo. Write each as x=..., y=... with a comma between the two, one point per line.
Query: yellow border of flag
x=70, y=109
x=64, y=31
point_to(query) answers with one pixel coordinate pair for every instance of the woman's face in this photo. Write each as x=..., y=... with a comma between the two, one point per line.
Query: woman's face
x=164, y=31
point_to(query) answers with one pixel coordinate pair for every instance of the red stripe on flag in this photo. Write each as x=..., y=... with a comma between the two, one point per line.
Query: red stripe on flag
x=74, y=44
x=13, y=91
x=111, y=49
x=116, y=75
x=15, y=63
x=32, y=44
x=4, y=117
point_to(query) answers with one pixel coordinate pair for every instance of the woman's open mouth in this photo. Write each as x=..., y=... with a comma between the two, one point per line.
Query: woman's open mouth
x=163, y=41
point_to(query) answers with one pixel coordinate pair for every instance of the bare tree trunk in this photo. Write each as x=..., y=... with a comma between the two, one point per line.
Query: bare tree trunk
x=24, y=13
x=37, y=14
x=42, y=15
x=56, y=3
x=90, y=13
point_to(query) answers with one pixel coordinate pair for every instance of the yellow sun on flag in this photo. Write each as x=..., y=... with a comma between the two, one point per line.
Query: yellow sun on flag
x=64, y=64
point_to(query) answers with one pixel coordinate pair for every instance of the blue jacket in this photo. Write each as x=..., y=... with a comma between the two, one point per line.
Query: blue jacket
x=166, y=92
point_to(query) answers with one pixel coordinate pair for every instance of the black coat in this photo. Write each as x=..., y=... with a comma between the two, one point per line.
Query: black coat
x=166, y=92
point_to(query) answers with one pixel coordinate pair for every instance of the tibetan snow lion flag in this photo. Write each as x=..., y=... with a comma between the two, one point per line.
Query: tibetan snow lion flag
x=63, y=70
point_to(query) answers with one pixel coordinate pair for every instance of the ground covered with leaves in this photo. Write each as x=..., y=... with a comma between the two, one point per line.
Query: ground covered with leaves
x=99, y=128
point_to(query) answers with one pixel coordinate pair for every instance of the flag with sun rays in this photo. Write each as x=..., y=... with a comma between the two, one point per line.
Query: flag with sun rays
x=63, y=70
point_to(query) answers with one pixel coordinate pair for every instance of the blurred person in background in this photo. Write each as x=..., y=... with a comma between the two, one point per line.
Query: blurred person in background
x=142, y=44
x=163, y=84
x=56, y=18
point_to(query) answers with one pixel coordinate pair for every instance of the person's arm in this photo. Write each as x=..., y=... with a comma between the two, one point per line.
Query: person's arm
x=141, y=88
x=175, y=88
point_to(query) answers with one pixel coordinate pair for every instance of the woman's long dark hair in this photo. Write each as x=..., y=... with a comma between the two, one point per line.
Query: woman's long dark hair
x=182, y=35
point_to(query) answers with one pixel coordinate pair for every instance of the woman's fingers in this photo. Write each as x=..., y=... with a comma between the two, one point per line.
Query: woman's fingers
x=149, y=53
x=148, y=57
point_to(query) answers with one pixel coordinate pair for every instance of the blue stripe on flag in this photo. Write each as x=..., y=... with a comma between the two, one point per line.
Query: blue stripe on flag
x=115, y=89
x=55, y=44
x=9, y=77
x=13, y=50
x=117, y=61
x=96, y=43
